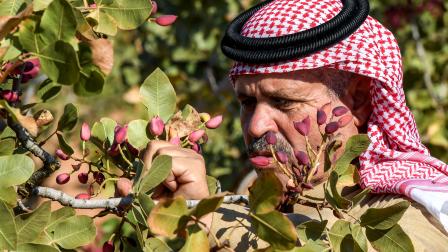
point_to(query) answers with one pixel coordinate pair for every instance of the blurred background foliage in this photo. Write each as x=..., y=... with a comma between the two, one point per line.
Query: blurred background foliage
x=189, y=52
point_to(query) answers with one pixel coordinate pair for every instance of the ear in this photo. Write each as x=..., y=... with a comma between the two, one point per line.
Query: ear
x=358, y=99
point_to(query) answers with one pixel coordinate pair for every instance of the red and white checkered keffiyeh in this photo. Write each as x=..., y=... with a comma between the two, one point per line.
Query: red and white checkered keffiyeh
x=396, y=161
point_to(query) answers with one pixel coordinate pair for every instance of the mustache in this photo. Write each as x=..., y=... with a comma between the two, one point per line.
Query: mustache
x=261, y=145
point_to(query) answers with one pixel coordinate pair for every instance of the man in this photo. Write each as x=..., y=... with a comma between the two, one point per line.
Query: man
x=292, y=57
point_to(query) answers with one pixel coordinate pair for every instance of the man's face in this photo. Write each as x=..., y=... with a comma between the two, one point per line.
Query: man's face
x=272, y=102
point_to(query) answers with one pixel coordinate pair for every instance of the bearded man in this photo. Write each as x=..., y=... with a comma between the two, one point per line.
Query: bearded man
x=291, y=58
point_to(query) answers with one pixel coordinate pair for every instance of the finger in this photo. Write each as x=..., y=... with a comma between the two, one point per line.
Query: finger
x=152, y=149
x=176, y=151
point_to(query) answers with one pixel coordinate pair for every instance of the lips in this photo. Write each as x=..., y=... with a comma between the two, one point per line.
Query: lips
x=260, y=161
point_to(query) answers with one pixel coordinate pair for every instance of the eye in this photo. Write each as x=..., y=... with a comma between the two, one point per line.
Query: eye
x=248, y=102
x=282, y=103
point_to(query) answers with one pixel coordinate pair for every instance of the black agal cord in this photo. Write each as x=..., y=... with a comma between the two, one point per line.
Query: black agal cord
x=291, y=46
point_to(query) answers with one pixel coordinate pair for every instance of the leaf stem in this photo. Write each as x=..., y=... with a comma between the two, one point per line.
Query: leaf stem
x=124, y=156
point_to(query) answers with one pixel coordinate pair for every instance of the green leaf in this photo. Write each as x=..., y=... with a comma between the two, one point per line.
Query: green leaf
x=91, y=82
x=58, y=22
x=212, y=185
x=359, y=237
x=169, y=216
x=137, y=133
x=30, y=225
x=341, y=202
x=265, y=194
x=69, y=118
x=197, y=240
x=74, y=232
x=137, y=214
x=155, y=244
x=109, y=128
x=28, y=38
x=354, y=146
x=29, y=247
x=340, y=236
x=393, y=239
x=60, y=62
x=350, y=177
x=158, y=95
x=384, y=218
x=311, y=230
x=128, y=14
x=146, y=203
x=159, y=171
x=7, y=146
x=39, y=5
x=15, y=170
x=275, y=228
x=8, y=195
x=359, y=197
x=11, y=7
x=8, y=235
x=104, y=23
x=310, y=247
x=48, y=90
x=67, y=149
x=208, y=205
x=59, y=215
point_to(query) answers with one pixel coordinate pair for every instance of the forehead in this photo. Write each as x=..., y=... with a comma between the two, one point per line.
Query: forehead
x=297, y=81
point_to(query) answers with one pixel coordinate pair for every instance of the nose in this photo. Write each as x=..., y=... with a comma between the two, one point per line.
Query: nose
x=261, y=121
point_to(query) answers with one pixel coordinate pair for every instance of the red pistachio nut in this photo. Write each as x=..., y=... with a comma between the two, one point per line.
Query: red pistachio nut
x=113, y=151
x=326, y=108
x=92, y=5
x=124, y=187
x=83, y=177
x=214, y=122
x=120, y=134
x=321, y=117
x=331, y=127
x=85, y=132
x=303, y=127
x=76, y=166
x=271, y=138
x=83, y=196
x=282, y=157
x=196, y=147
x=108, y=246
x=166, y=20
x=175, y=140
x=344, y=120
x=156, y=126
x=196, y=135
x=154, y=7
x=302, y=157
x=10, y=96
x=62, y=178
x=99, y=177
x=61, y=154
x=340, y=110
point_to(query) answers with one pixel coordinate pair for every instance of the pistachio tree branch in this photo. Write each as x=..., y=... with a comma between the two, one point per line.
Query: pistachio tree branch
x=51, y=164
x=67, y=200
x=113, y=203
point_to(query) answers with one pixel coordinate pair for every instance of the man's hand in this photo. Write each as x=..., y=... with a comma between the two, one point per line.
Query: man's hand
x=187, y=176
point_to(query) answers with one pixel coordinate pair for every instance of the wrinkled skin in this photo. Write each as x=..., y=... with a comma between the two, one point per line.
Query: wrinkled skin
x=273, y=102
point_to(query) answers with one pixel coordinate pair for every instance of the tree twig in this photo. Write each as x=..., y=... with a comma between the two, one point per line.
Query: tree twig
x=113, y=203
x=51, y=164
x=67, y=200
